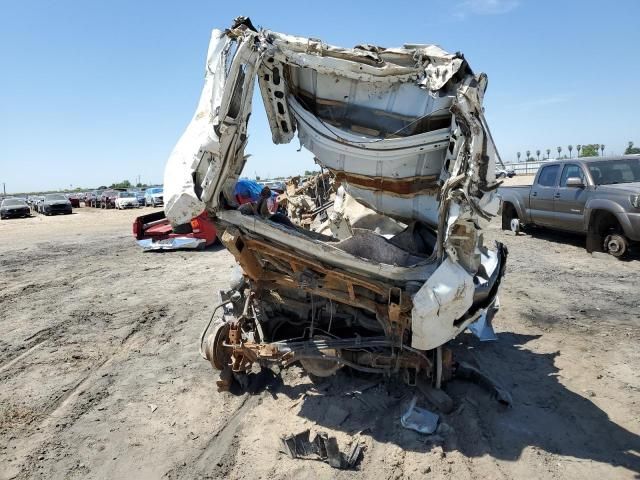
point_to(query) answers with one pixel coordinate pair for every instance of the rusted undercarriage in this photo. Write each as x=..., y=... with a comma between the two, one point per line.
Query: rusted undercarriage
x=289, y=308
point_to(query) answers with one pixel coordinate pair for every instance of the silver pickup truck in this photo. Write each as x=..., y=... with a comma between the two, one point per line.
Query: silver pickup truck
x=597, y=196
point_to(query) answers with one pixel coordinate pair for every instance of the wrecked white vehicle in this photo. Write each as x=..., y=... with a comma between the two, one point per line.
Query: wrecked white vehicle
x=403, y=131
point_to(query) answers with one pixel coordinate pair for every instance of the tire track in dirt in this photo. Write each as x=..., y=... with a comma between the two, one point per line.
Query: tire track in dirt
x=34, y=341
x=16, y=358
x=62, y=411
x=51, y=333
x=219, y=454
x=62, y=329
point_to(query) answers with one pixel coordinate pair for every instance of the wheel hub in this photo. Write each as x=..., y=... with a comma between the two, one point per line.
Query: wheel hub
x=616, y=245
x=515, y=225
x=214, y=349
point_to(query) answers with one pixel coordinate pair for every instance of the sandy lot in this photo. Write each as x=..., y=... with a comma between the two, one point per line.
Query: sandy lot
x=101, y=376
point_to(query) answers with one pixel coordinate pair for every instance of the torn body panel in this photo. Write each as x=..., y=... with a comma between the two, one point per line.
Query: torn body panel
x=398, y=268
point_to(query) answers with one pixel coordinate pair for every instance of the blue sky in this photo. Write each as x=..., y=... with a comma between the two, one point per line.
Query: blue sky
x=93, y=92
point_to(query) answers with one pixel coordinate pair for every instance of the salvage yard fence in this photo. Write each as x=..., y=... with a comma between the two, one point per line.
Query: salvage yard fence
x=525, y=168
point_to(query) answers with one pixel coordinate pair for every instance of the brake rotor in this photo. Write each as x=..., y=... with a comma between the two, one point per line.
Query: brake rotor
x=214, y=349
x=615, y=245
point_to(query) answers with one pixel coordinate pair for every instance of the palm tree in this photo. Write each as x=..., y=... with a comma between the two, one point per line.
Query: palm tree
x=528, y=155
x=518, y=154
x=559, y=150
x=578, y=148
x=548, y=153
x=601, y=149
x=570, y=147
x=538, y=154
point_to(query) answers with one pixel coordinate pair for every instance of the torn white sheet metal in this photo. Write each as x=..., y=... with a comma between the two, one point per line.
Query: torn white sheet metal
x=176, y=243
x=444, y=298
x=403, y=131
x=381, y=117
x=394, y=158
x=217, y=133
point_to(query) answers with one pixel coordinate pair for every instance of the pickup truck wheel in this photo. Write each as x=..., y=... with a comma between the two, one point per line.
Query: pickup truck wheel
x=510, y=220
x=616, y=245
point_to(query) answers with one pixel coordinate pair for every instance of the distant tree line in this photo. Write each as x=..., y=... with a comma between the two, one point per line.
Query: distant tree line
x=128, y=184
x=630, y=150
x=588, y=150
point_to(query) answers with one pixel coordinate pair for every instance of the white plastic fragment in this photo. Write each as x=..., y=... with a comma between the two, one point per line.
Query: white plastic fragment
x=419, y=419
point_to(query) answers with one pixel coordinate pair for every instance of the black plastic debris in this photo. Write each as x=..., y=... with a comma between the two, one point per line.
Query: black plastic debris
x=322, y=447
x=466, y=371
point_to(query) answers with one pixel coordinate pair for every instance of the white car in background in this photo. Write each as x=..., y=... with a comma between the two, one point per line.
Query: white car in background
x=505, y=172
x=126, y=200
x=154, y=196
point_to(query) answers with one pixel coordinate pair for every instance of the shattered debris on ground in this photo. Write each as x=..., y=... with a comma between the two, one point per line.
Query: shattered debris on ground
x=321, y=447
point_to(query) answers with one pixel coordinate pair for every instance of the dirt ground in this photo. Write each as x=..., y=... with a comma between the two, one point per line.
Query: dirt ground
x=518, y=180
x=101, y=376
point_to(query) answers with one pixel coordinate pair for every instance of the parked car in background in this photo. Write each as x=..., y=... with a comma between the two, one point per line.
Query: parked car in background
x=596, y=196
x=74, y=199
x=55, y=203
x=126, y=200
x=505, y=172
x=108, y=199
x=97, y=198
x=154, y=196
x=154, y=232
x=140, y=198
x=89, y=199
x=14, y=208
